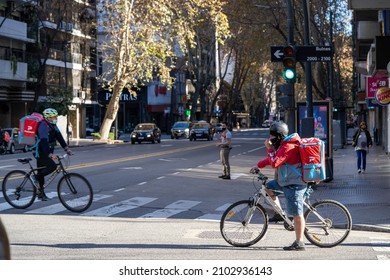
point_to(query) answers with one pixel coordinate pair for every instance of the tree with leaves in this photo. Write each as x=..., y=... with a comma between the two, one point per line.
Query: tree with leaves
x=139, y=42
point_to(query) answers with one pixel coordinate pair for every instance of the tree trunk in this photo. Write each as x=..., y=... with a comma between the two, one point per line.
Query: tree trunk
x=112, y=110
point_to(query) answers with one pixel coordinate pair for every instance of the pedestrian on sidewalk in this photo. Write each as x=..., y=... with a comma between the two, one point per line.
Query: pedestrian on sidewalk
x=224, y=143
x=362, y=141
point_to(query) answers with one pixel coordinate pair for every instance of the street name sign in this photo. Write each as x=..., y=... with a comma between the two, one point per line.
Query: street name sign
x=304, y=53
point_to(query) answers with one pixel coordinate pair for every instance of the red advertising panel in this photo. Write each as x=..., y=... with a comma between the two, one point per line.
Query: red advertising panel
x=373, y=84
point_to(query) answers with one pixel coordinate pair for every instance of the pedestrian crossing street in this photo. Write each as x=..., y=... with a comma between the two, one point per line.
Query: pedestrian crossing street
x=382, y=247
x=178, y=208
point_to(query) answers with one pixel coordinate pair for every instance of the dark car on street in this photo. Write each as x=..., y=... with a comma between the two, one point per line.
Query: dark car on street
x=146, y=132
x=180, y=129
x=201, y=130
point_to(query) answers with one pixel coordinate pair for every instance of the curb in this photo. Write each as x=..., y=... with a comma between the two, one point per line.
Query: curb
x=372, y=228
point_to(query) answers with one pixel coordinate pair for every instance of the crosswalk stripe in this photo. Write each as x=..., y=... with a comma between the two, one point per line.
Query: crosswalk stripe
x=213, y=217
x=6, y=206
x=119, y=207
x=223, y=207
x=58, y=207
x=381, y=245
x=172, y=209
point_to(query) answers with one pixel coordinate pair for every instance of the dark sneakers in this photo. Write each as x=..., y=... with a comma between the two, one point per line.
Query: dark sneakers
x=42, y=196
x=227, y=177
x=276, y=218
x=296, y=246
x=221, y=176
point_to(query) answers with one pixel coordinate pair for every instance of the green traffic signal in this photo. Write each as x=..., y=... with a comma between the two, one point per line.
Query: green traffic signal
x=289, y=62
x=289, y=74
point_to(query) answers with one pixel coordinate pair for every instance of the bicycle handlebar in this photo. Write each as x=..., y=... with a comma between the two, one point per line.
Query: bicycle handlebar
x=64, y=156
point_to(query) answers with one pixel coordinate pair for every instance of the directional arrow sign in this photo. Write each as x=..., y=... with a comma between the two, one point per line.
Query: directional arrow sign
x=277, y=53
x=304, y=53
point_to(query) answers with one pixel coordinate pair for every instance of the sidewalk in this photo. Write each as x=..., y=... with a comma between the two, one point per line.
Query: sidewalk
x=367, y=196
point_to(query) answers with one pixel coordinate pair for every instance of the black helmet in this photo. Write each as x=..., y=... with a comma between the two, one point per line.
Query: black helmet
x=279, y=130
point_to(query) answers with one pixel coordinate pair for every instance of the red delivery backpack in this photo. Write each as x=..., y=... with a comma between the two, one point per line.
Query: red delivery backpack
x=28, y=127
x=312, y=153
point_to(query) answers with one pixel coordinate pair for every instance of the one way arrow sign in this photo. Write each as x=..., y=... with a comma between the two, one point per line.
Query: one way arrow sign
x=277, y=53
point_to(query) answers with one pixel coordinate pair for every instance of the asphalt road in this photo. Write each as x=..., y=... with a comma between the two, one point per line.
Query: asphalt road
x=159, y=201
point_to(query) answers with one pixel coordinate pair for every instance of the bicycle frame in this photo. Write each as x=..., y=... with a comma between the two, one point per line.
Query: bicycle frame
x=263, y=193
x=60, y=169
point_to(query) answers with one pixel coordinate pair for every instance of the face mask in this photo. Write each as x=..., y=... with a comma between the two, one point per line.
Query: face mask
x=54, y=121
x=223, y=128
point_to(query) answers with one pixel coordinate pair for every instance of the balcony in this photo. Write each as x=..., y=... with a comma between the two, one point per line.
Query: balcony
x=13, y=70
x=19, y=30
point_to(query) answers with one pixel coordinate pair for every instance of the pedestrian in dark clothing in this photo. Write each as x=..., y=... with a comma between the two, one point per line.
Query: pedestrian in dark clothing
x=362, y=141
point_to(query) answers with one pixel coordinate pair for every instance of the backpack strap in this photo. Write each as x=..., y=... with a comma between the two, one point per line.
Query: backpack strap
x=293, y=169
x=38, y=139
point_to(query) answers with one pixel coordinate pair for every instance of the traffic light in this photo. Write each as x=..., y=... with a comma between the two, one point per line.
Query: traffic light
x=289, y=62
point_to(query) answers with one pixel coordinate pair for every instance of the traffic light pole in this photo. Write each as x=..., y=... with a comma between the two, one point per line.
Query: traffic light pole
x=290, y=25
x=309, y=93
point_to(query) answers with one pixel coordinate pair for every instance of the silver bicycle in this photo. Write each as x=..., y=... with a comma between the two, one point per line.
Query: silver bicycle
x=244, y=223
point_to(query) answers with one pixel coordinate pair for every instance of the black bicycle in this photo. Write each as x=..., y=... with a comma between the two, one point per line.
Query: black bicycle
x=74, y=190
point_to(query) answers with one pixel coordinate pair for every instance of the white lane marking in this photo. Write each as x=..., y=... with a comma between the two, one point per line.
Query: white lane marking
x=6, y=166
x=119, y=207
x=142, y=183
x=132, y=168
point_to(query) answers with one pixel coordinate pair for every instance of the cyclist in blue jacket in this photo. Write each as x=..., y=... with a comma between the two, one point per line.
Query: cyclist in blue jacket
x=48, y=134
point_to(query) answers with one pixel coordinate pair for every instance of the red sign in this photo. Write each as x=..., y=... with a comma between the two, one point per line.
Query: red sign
x=382, y=96
x=373, y=84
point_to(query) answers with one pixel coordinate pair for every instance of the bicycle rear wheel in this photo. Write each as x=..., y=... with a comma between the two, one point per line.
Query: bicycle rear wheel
x=18, y=189
x=75, y=192
x=240, y=231
x=335, y=227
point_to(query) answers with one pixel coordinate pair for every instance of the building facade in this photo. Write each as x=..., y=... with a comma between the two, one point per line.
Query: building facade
x=371, y=29
x=51, y=59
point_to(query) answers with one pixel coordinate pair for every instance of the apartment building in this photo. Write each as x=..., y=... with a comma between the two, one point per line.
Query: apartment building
x=47, y=56
x=371, y=27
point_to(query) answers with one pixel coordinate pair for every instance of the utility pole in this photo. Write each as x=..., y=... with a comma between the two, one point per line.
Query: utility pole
x=291, y=42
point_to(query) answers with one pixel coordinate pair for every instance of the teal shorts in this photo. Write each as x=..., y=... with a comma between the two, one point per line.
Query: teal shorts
x=292, y=193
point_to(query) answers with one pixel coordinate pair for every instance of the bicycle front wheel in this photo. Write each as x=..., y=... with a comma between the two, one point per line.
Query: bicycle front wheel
x=75, y=192
x=18, y=189
x=328, y=224
x=242, y=225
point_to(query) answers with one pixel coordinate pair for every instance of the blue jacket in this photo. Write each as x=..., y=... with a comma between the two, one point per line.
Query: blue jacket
x=48, y=134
